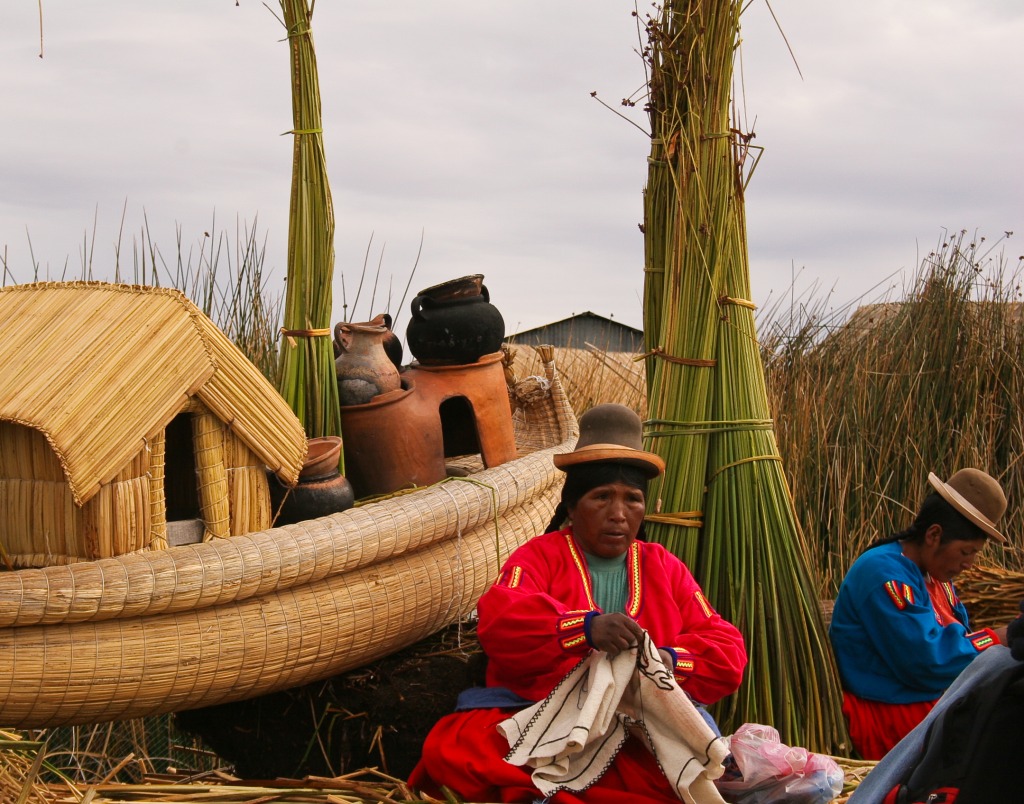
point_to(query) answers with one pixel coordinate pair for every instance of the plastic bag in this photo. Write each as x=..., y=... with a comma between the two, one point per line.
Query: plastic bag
x=764, y=770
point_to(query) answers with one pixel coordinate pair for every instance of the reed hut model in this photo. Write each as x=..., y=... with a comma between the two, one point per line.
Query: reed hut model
x=128, y=419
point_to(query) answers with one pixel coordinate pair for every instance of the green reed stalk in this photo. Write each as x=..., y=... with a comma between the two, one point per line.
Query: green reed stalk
x=308, y=380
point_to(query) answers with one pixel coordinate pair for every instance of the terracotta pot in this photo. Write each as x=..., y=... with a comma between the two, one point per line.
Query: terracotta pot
x=316, y=497
x=391, y=443
x=322, y=457
x=364, y=369
x=454, y=328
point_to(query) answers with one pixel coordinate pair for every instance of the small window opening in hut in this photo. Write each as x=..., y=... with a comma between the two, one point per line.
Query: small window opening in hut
x=458, y=427
x=180, y=471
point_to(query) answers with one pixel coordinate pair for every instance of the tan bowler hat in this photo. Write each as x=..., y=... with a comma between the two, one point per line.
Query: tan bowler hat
x=611, y=433
x=975, y=494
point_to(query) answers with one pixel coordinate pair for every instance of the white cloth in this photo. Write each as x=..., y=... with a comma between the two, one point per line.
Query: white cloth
x=572, y=736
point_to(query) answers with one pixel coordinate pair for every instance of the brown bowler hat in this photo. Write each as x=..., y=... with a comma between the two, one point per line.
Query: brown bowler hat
x=611, y=433
x=976, y=495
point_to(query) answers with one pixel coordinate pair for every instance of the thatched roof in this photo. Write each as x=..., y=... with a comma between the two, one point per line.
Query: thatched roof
x=101, y=368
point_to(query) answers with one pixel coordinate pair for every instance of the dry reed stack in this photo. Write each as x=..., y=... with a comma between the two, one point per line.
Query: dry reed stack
x=726, y=508
x=929, y=382
x=308, y=380
x=590, y=376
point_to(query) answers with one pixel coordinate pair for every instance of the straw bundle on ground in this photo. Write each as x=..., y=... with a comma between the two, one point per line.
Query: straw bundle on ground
x=992, y=595
x=308, y=380
x=20, y=762
x=726, y=507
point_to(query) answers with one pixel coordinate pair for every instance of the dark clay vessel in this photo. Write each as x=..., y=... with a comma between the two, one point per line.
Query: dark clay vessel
x=448, y=329
x=311, y=498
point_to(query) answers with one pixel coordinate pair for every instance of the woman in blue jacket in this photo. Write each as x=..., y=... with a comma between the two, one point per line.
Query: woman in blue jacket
x=899, y=632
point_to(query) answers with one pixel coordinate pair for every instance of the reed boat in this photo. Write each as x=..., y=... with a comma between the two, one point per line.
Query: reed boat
x=240, y=614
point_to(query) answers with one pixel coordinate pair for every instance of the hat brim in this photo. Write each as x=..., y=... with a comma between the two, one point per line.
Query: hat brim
x=953, y=497
x=652, y=465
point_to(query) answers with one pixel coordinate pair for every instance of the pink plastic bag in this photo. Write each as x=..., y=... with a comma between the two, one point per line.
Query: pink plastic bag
x=768, y=771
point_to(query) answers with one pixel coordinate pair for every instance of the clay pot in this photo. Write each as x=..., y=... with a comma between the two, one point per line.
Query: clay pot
x=392, y=443
x=310, y=498
x=322, y=457
x=392, y=345
x=454, y=323
x=462, y=288
x=321, y=489
x=364, y=369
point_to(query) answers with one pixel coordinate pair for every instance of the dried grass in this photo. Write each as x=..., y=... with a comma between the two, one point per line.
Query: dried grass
x=865, y=408
x=588, y=375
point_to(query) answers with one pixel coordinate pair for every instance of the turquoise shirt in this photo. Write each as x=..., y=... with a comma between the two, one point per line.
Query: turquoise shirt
x=608, y=576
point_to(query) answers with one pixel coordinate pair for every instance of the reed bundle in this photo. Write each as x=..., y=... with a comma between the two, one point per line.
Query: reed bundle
x=367, y=786
x=726, y=507
x=308, y=379
x=991, y=594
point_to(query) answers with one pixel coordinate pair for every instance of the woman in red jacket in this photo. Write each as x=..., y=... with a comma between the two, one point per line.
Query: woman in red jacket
x=592, y=585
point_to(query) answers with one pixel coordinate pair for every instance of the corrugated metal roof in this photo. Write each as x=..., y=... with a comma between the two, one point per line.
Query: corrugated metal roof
x=99, y=368
x=582, y=330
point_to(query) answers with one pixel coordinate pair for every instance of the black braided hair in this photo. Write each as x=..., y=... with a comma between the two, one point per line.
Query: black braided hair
x=935, y=511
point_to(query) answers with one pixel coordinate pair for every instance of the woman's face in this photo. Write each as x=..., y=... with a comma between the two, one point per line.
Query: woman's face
x=945, y=561
x=607, y=518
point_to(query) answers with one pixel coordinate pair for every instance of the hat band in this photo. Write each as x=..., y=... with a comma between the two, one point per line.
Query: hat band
x=593, y=447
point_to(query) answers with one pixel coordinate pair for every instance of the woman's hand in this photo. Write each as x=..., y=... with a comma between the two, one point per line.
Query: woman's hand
x=613, y=633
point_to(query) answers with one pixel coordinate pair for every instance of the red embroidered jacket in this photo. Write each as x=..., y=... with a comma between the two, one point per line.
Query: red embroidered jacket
x=532, y=620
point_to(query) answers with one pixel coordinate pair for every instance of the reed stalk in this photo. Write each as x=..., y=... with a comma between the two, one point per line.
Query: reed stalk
x=726, y=507
x=308, y=380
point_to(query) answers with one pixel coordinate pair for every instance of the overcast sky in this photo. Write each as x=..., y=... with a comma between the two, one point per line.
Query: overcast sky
x=471, y=125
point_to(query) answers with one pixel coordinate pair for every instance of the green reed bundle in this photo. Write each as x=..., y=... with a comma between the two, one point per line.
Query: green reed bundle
x=308, y=380
x=726, y=508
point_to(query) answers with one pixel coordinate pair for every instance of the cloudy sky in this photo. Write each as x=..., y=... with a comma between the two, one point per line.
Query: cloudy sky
x=470, y=126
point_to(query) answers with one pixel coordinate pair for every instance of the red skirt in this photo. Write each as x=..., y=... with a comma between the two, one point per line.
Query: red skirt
x=465, y=752
x=876, y=727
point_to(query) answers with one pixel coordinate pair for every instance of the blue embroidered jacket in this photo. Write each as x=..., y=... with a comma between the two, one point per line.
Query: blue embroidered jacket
x=887, y=641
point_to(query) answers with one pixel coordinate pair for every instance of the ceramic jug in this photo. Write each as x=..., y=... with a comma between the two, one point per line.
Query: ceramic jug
x=392, y=345
x=364, y=369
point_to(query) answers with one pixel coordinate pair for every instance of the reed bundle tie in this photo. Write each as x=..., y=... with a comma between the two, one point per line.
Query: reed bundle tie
x=724, y=299
x=302, y=131
x=682, y=519
x=657, y=351
x=292, y=334
x=695, y=519
x=671, y=428
x=742, y=461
